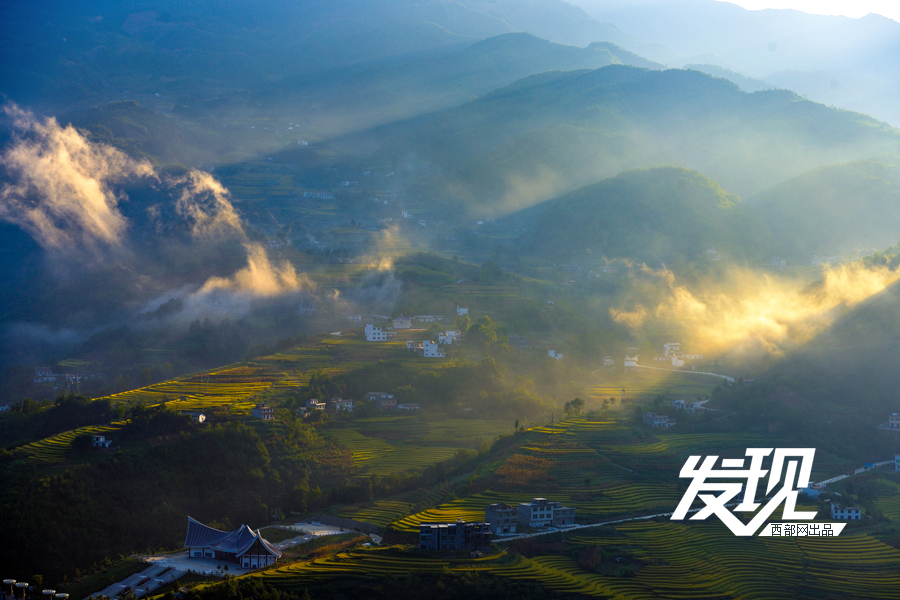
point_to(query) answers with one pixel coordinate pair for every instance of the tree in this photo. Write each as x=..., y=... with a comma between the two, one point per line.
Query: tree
x=516, y=427
x=483, y=332
x=574, y=407
x=82, y=442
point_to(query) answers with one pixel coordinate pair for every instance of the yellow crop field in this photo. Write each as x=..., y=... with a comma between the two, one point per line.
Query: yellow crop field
x=57, y=447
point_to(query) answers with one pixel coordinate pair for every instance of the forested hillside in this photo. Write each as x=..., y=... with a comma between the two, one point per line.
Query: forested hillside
x=664, y=215
x=835, y=210
x=555, y=132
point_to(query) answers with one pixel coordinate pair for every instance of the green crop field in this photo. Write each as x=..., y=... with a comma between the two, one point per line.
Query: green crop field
x=57, y=447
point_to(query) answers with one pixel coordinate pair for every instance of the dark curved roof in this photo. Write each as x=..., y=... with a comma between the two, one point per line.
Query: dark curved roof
x=234, y=542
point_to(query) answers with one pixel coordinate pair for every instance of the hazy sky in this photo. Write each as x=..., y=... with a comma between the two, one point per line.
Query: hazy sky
x=849, y=8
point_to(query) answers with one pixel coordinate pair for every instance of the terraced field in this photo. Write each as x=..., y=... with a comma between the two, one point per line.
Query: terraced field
x=890, y=505
x=340, y=354
x=364, y=449
x=373, y=563
x=704, y=560
x=404, y=458
x=647, y=383
x=450, y=433
x=376, y=457
x=383, y=512
x=470, y=508
x=621, y=499
x=412, y=442
x=602, y=468
x=57, y=447
x=491, y=295
x=187, y=394
x=679, y=561
x=578, y=459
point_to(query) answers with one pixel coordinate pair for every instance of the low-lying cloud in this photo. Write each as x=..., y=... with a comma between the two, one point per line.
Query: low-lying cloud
x=204, y=202
x=63, y=186
x=64, y=192
x=753, y=311
x=260, y=277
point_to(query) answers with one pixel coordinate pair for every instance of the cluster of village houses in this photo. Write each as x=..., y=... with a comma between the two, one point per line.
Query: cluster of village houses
x=657, y=421
x=499, y=519
x=672, y=354
x=380, y=400
x=46, y=375
x=426, y=348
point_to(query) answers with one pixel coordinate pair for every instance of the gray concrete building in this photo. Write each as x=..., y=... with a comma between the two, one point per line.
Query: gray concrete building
x=501, y=518
x=542, y=513
x=454, y=536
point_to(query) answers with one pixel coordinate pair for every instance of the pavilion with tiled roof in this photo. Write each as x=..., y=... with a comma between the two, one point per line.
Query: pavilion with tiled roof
x=242, y=546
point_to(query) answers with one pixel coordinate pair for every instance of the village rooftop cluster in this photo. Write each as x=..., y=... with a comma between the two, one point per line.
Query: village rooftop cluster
x=499, y=519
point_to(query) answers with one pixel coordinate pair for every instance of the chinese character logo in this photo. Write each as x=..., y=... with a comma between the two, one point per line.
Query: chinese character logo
x=717, y=488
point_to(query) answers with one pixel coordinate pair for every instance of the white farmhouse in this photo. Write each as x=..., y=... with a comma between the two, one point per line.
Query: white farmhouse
x=449, y=337
x=432, y=350
x=460, y=311
x=196, y=417
x=892, y=424
x=402, y=322
x=657, y=421
x=375, y=333
x=672, y=347
x=314, y=404
x=554, y=354
x=848, y=513
x=101, y=441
